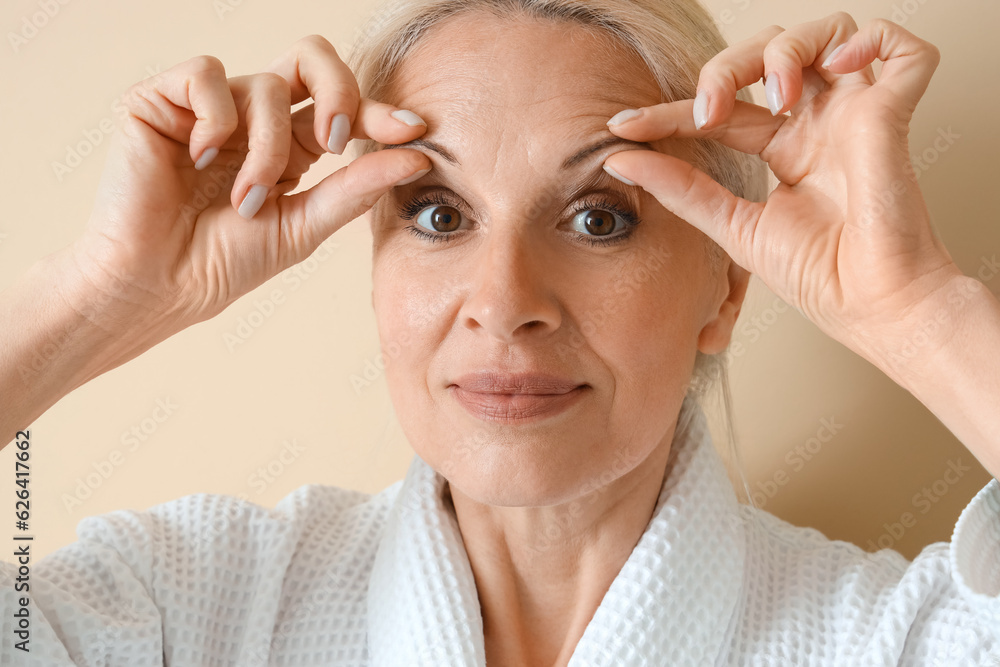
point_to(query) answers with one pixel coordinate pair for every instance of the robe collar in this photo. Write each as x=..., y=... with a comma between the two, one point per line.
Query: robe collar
x=675, y=601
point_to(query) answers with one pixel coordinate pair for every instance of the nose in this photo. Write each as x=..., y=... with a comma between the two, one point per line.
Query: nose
x=511, y=293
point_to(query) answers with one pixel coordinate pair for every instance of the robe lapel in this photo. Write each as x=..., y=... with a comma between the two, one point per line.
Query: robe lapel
x=676, y=600
x=423, y=608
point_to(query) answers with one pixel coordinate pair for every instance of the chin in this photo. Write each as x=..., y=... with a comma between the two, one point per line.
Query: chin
x=538, y=479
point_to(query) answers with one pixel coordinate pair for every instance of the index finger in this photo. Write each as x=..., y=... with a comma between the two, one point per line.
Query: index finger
x=748, y=128
x=313, y=69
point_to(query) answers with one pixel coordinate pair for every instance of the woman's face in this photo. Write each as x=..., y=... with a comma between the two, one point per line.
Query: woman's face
x=520, y=256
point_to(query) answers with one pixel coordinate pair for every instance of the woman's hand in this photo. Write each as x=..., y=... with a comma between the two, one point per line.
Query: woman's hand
x=845, y=237
x=192, y=210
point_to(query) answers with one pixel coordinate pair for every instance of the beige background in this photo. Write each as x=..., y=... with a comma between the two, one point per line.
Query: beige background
x=290, y=381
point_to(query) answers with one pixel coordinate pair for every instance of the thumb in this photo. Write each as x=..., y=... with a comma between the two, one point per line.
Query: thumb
x=693, y=196
x=308, y=218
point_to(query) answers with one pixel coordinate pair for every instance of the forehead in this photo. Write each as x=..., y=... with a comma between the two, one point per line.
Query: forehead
x=476, y=71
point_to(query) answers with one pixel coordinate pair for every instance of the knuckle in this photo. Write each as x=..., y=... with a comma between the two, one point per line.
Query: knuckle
x=883, y=25
x=775, y=47
x=270, y=82
x=716, y=73
x=227, y=121
x=783, y=48
x=204, y=64
x=772, y=31
x=273, y=88
x=842, y=18
x=933, y=52
x=316, y=43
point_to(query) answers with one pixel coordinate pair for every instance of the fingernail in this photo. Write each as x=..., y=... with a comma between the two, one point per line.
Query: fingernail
x=408, y=117
x=624, y=116
x=206, y=158
x=772, y=89
x=618, y=176
x=834, y=54
x=700, y=109
x=253, y=201
x=410, y=179
x=340, y=133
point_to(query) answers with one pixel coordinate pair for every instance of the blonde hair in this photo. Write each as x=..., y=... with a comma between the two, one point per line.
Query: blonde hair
x=673, y=38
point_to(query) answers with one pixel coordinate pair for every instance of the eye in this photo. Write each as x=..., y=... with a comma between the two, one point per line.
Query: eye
x=596, y=222
x=440, y=219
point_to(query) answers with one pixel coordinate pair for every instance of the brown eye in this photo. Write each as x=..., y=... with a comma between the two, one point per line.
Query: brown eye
x=440, y=218
x=595, y=221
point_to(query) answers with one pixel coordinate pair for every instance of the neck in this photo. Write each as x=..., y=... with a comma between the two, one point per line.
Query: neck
x=541, y=572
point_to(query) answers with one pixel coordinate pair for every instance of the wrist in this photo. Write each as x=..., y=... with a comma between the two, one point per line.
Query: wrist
x=918, y=346
x=118, y=318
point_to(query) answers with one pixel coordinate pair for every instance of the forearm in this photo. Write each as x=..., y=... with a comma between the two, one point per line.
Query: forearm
x=57, y=334
x=947, y=354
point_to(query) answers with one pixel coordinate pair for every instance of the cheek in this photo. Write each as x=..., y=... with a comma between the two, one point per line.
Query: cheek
x=643, y=313
x=413, y=310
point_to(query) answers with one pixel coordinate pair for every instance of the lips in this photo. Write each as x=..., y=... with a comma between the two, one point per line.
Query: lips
x=515, y=397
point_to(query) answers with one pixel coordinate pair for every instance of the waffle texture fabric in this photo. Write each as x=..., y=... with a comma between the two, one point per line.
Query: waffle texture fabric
x=335, y=578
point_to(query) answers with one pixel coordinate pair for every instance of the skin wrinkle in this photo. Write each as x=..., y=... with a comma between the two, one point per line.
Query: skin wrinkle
x=516, y=291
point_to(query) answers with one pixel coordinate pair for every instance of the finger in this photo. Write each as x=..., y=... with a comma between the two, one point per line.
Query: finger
x=307, y=218
x=198, y=85
x=730, y=70
x=262, y=100
x=743, y=64
x=313, y=69
x=801, y=47
x=908, y=62
x=695, y=197
x=305, y=150
x=748, y=128
x=375, y=120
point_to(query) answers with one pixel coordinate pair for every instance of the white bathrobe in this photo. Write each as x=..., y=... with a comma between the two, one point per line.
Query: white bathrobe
x=333, y=577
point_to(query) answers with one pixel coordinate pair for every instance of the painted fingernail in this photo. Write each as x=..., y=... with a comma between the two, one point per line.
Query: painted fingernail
x=253, y=201
x=340, y=133
x=772, y=89
x=834, y=54
x=618, y=176
x=408, y=117
x=700, y=109
x=206, y=158
x=624, y=116
x=410, y=179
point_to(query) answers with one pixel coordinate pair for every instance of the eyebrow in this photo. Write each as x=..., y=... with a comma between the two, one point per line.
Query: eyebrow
x=570, y=162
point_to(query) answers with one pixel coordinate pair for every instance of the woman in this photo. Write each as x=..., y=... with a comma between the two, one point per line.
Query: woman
x=566, y=506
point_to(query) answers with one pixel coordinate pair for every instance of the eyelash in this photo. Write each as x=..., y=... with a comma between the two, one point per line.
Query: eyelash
x=412, y=209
